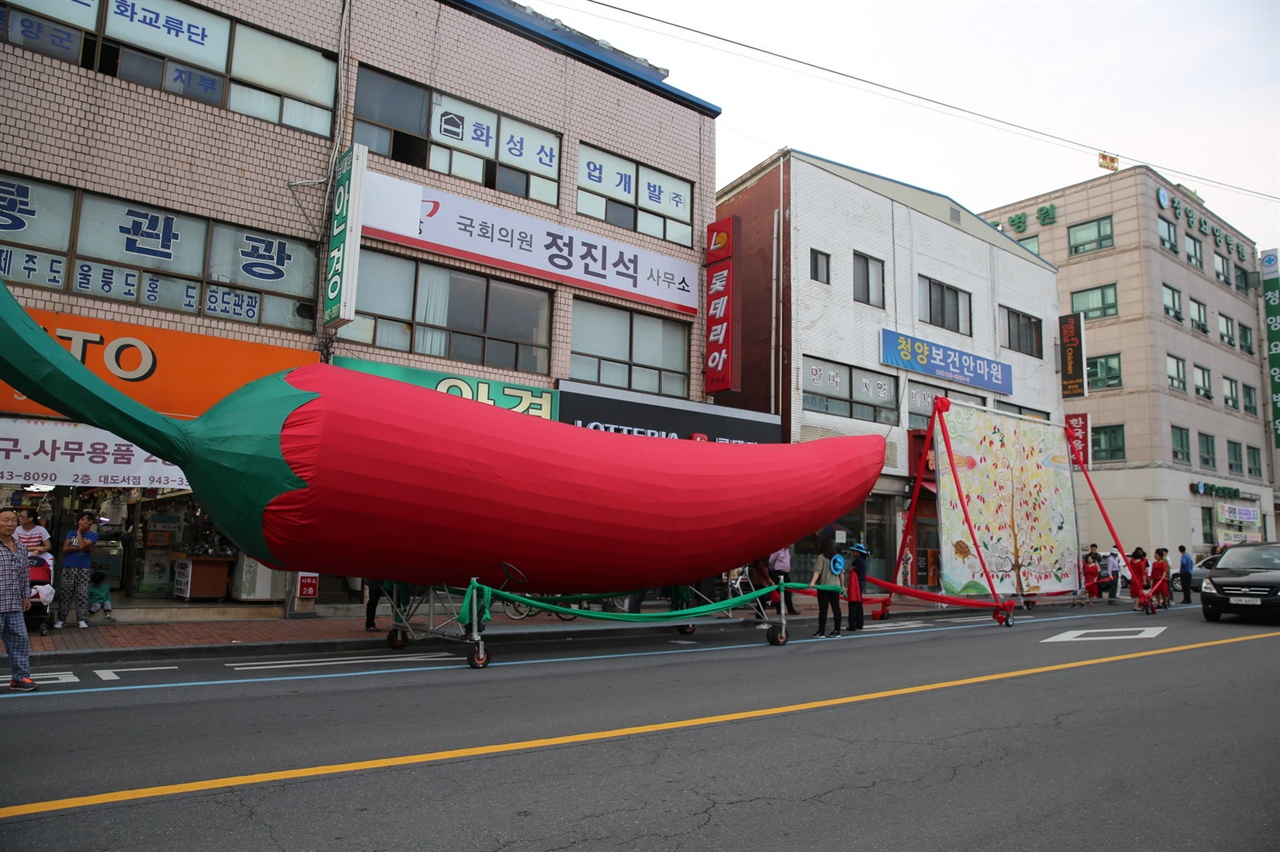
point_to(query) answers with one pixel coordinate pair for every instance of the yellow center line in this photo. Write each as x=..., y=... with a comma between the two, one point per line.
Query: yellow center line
x=500, y=748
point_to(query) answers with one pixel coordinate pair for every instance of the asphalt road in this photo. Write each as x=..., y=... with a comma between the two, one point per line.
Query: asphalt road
x=1144, y=732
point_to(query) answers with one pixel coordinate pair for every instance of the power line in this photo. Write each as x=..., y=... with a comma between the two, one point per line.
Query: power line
x=947, y=106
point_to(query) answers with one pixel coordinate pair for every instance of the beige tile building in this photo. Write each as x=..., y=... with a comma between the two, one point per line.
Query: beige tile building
x=1174, y=346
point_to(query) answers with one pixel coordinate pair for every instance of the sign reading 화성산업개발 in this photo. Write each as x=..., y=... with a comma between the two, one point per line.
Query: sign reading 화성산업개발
x=933, y=359
x=422, y=217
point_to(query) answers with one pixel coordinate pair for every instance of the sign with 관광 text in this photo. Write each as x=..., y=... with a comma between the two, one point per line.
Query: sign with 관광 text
x=422, y=217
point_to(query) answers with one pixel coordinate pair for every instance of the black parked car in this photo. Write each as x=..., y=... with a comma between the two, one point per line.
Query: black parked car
x=1246, y=581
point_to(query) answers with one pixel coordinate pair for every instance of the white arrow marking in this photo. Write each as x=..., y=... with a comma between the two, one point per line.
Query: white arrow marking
x=110, y=674
x=1111, y=633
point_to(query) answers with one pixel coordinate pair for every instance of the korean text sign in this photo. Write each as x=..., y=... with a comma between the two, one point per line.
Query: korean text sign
x=943, y=362
x=422, y=217
x=56, y=452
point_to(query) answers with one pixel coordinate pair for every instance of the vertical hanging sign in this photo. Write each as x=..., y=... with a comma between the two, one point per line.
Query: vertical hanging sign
x=1271, y=305
x=723, y=367
x=1071, y=337
x=342, y=265
x=1079, y=437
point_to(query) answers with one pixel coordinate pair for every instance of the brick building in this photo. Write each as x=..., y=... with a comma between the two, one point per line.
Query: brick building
x=167, y=176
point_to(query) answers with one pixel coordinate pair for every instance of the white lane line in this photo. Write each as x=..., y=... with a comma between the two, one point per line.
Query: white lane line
x=338, y=661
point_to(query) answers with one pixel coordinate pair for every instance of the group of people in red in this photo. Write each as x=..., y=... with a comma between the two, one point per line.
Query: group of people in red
x=1148, y=580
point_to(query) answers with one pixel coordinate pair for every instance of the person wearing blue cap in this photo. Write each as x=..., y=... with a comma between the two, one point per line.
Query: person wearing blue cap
x=827, y=581
x=857, y=577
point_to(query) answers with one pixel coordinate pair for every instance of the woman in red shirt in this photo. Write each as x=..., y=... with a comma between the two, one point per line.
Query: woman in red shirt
x=1137, y=576
x=1159, y=572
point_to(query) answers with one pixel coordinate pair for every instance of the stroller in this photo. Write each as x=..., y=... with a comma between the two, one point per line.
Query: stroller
x=40, y=616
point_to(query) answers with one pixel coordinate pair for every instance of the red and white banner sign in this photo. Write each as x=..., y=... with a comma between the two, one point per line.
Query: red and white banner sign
x=1078, y=424
x=722, y=365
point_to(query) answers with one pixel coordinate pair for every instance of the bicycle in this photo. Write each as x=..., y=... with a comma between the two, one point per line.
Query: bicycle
x=516, y=610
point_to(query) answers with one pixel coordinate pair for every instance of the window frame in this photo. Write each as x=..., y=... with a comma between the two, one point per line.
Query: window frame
x=1195, y=251
x=1108, y=443
x=1021, y=332
x=1226, y=330
x=933, y=296
x=1097, y=241
x=1109, y=304
x=1208, y=450
x=665, y=373
x=1235, y=457
x=1246, y=338
x=1178, y=377
x=846, y=405
x=1172, y=302
x=1249, y=400
x=1103, y=372
x=819, y=266
x=1221, y=269
x=1204, y=389
x=875, y=289
x=1168, y=232
x=1180, y=439
x=1230, y=393
x=1199, y=313
x=1253, y=458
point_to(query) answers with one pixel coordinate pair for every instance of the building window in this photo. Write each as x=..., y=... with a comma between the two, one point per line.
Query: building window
x=1246, y=339
x=1172, y=303
x=1250, y=400
x=633, y=196
x=1195, y=254
x=944, y=306
x=412, y=124
x=1242, y=280
x=1230, y=393
x=1208, y=452
x=1103, y=372
x=1222, y=269
x=1031, y=244
x=191, y=53
x=1204, y=383
x=1226, y=330
x=1255, y=461
x=868, y=280
x=1090, y=236
x=1108, y=443
x=1014, y=408
x=1207, y=534
x=1181, y=444
x=1199, y=317
x=819, y=266
x=1095, y=303
x=1169, y=236
x=1177, y=372
x=920, y=399
x=1235, y=457
x=432, y=310
x=1021, y=332
x=624, y=349
x=844, y=391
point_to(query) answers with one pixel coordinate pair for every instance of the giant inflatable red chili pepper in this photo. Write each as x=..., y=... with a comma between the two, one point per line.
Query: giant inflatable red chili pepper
x=325, y=469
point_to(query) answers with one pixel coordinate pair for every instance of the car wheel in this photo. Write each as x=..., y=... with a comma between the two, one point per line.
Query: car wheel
x=1177, y=584
x=1211, y=614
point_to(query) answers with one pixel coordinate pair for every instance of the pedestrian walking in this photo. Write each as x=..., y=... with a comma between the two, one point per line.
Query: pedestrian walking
x=15, y=599
x=857, y=576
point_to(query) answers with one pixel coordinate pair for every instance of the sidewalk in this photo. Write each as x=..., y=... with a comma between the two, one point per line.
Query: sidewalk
x=272, y=635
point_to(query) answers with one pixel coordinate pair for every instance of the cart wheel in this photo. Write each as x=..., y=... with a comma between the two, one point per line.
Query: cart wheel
x=686, y=629
x=776, y=635
x=1151, y=608
x=1028, y=604
x=1008, y=618
x=566, y=616
x=477, y=658
x=44, y=628
x=397, y=638
x=879, y=616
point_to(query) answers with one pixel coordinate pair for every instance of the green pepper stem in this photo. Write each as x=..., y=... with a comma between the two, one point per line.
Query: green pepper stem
x=39, y=367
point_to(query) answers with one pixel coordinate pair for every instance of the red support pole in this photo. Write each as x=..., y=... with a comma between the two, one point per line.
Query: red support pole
x=915, y=492
x=1079, y=460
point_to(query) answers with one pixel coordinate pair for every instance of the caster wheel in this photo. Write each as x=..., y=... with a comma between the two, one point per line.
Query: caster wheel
x=477, y=658
x=1008, y=619
x=687, y=629
x=397, y=638
x=776, y=635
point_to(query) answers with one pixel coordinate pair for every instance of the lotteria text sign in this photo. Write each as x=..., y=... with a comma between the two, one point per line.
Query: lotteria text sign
x=724, y=371
x=422, y=217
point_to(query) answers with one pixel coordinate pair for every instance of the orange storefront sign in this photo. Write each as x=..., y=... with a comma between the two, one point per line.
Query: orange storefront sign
x=174, y=372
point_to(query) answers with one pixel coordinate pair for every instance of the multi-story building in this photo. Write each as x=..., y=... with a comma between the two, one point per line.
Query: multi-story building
x=1177, y=388
x=837, y=271
x=534, y=208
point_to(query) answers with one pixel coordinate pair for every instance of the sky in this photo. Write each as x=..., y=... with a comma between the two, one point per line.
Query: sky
x=1190, y=88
